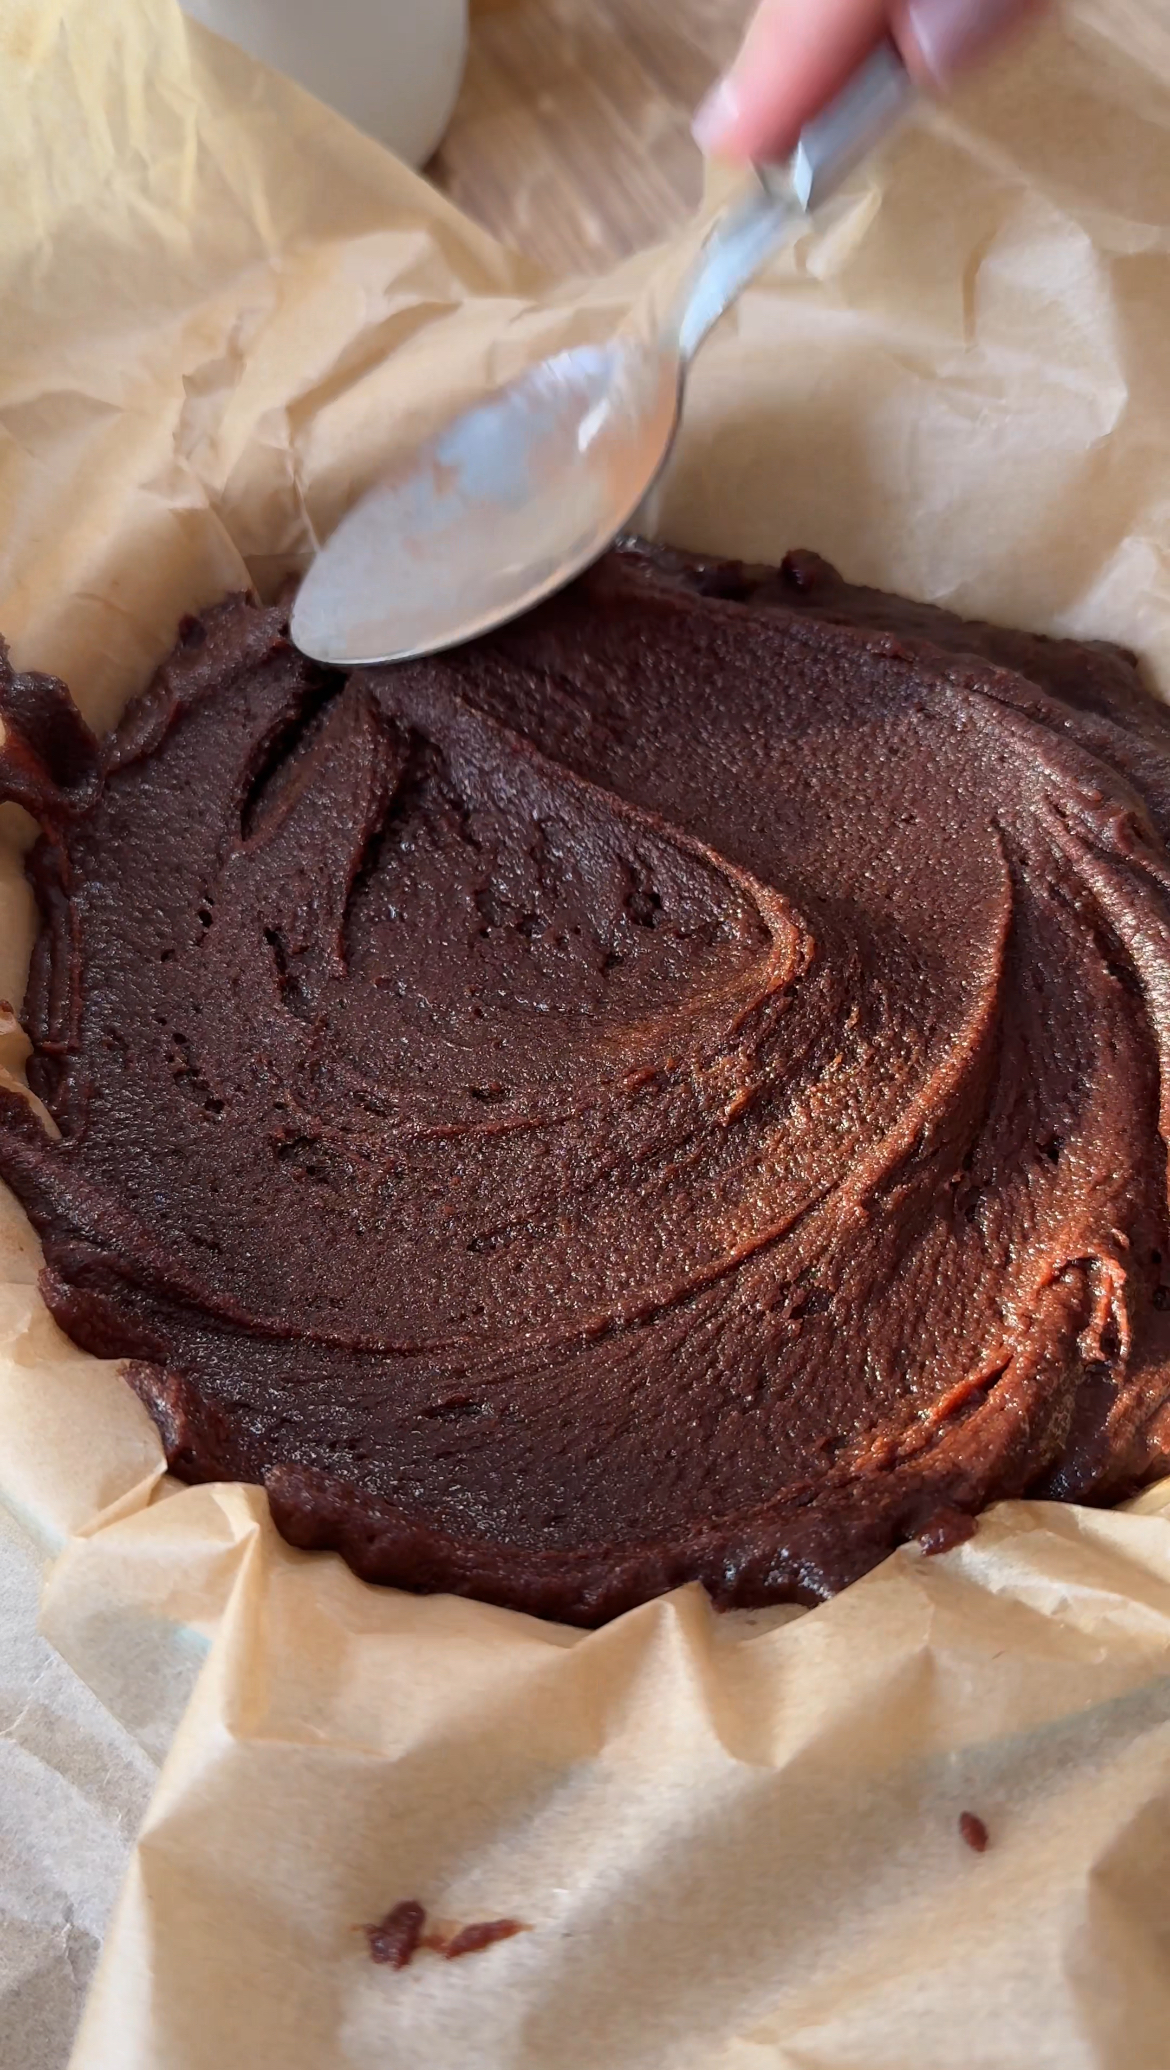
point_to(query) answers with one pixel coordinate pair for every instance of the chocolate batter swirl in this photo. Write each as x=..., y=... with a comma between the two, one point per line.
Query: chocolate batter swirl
x=672, y=1091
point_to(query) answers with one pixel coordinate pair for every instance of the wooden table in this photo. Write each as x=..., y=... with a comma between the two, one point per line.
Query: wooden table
x=571, y=139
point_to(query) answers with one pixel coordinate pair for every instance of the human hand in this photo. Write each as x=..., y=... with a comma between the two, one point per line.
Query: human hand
x=798, y=53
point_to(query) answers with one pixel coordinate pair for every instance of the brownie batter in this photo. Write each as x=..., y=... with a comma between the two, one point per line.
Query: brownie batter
x=672, y=1091
x=395, y=1940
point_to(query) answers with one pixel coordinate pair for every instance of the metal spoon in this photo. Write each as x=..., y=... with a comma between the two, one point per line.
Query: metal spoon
x=519, y=494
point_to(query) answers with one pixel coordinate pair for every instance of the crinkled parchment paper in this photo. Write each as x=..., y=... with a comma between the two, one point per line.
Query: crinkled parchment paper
x=735, y=1841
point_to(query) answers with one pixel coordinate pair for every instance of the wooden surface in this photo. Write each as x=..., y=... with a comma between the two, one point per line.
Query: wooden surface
x=571, y=140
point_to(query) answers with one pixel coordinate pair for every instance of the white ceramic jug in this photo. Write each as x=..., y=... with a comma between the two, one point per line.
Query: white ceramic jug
x=392, y=66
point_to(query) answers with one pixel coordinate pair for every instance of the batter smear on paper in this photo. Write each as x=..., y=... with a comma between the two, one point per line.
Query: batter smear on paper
x=673, y=1091
x=396, y=1939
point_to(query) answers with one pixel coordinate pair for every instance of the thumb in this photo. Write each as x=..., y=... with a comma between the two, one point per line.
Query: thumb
x=796, y=55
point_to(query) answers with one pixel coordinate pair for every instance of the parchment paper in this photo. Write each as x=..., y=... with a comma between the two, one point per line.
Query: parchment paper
x=735, y=1841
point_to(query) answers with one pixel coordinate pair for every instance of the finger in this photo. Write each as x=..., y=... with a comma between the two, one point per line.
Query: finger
x=941, y=38
x=798, y=53
x=795, y=57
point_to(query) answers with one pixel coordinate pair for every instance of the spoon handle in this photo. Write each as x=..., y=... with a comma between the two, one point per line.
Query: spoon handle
x=782, y=198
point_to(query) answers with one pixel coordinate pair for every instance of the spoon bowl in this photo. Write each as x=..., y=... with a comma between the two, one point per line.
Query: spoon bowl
x=504, y=506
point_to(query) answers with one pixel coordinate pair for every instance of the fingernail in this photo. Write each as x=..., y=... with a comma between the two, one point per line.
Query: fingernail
x=716, y=116
x=951, y=33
